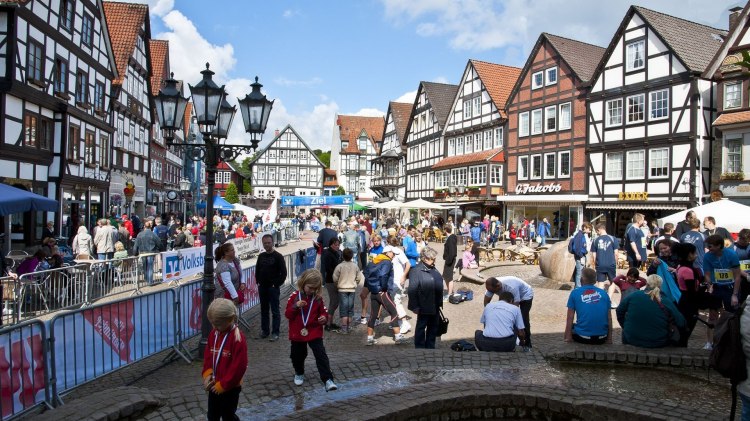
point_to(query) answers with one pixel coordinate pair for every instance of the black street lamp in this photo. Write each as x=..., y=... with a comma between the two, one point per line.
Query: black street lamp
x=214, y=117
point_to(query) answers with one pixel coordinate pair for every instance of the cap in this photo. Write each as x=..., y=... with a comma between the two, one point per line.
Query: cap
x=388, y=249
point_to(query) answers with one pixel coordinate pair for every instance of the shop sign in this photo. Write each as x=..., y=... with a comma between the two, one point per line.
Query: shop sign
x=633, y=195
x=525, y=188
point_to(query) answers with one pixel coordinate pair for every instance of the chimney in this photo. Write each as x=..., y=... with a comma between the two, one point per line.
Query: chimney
x=734, y=17
x=276, y=133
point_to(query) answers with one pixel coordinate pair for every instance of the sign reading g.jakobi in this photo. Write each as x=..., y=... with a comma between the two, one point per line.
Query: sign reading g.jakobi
x=539, y=188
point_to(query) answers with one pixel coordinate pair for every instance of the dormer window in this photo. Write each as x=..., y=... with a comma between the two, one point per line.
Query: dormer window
x=636, y=52
x=344, y=145
x=551, y=76
x=537, y=80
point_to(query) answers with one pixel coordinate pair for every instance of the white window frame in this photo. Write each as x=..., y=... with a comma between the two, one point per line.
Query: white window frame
x=458, y=176
x=534, y=167
x=654, y=100
x=545, y=171
x=460, y=145
x=540, y=75
x=734, y=142
x=523, y=167
x=469, y=145
x=467, y=109
x=476, y=109
x=635, y=168
x=496, y=175
x=547, y=72
x=632, y=49
x=642, y=99
x=738, y=99
x=536, y=116
x=560, y=166
x=613, y=173
x=487, y=142
x=523, y=124
x=565, y=124
x=441, y=179
x=451, y=147
x=663, y=164
x=612, y=119
x=498, y=141
x=547, y=111
x=477, y=142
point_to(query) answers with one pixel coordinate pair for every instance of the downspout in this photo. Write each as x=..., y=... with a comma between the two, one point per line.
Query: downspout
x=697, y=148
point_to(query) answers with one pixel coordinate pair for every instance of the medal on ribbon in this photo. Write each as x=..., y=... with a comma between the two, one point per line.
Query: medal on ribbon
x=305, y=318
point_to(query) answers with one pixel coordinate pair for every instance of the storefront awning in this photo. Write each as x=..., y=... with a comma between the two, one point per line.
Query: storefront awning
x=544, y=198
x=636, y=206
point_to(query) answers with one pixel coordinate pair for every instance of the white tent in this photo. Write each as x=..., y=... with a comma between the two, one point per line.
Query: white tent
x=728, y=214
x=247, y=210
x=391, y=204
x=422, y=204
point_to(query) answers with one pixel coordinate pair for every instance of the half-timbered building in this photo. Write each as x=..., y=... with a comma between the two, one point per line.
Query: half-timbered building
x=389, y=167
x=545, y=149
x=56, y=67
x=474, y=139
x=731, y=150
x=424, y=138
x=355, y=144
x=157, y=189
x=226, y=173
x=130, y=30
x=286, y=167
x=649, y=117
x=330, y=182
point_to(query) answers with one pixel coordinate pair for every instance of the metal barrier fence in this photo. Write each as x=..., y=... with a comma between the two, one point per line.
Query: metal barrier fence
x=9, y=296
x=113, y=276
x=23, y=368
x=46, y=291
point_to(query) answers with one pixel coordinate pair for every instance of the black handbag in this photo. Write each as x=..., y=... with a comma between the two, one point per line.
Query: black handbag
x=442, y=323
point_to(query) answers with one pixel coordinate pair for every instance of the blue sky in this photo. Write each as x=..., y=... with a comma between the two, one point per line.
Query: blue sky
x=320, y=58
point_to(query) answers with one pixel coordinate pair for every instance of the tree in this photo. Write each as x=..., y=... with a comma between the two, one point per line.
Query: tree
x=339, y=191
x=232, y=195
x=246, y=187
x=325, y=157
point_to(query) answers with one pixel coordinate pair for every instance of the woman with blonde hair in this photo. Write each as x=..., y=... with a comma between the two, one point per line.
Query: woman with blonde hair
x=648, y=317
x=83, y=244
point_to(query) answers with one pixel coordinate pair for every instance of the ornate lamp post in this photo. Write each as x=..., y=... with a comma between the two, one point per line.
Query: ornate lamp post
x=214, y=117
x=184, y=189
x=455, y=191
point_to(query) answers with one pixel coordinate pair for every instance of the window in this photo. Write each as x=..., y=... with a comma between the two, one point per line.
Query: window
x=563, y=165
x=635, y=108
x=523, y=167
x=477, y=142
x=30, y=130
x=282, y=173
x=61, y=76
x=550, y=115
x=441, y=179
x=549, y=165
x=635, y=165
x=35, y=63
x=87, y=31
x=458, y=176
x=451, y=147
x=344, y=146
x=523, y=124
x=363, y=145
x=536, y=121
x=99, y=97
x=536, y=166
x=81, y=88
x=537, y=80
x=104, y=153
x=74, y=138
x=272, y=173
x=498, y=140
x=460, y=145
x=734, y=155
x=487, y=140
x=477, y=106
x=46, y=133
x=564, y=123
x=658, y=162
x=293, y=176
x=469, y=144
x=614, y=112
x=659, y=104
x=228, y=177
x=635, y=55
x=478, y=175
x=614, y=166
x=732, y=95
x=551, y=76
x=67, y=13
x=467, y=109
x=496, y=175
x=90, y=149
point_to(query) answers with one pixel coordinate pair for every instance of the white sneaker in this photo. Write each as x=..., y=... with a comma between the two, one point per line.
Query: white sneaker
x=377, y=322
x=708, y=346
x=330, y=385
x=299, y=379
x=363, y=320
x=371, y=341
x=405, y=326
x=400, y=339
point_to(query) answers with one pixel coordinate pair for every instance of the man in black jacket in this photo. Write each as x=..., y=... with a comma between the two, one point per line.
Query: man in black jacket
x=270, y=274
x=324, y=239
x=330, y=258
x=683, y=226
x=449, y=256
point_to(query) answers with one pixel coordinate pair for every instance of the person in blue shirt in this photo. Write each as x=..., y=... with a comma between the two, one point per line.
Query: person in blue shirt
x=410, y=246
x=696, y=238
x=476, y=233
x=636, y=242
x=544, y=231
x=603, y=257
x=523, y=296
x=721, y=268
x=742, y=248
x=580, y=241
x=590, y=306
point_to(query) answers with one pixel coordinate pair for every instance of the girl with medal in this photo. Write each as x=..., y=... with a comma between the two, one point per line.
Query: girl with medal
x=224, y=361
x=307, y=315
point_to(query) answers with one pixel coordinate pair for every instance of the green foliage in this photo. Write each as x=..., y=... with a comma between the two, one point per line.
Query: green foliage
x=246, y=187
x=232, y=195
x=339, y=191
x=325, y=157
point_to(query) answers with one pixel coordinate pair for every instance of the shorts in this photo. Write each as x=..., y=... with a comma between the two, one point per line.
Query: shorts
x=604, y=274
x=346, y=304
x=724, y=293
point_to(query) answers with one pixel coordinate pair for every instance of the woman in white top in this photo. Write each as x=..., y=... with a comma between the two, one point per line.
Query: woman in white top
x=83, y=244
x=401, y=268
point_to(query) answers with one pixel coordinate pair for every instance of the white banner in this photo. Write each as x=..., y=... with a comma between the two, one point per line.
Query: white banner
x=182, y=263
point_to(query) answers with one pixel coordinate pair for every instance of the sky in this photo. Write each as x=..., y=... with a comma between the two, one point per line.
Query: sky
x=321, y=58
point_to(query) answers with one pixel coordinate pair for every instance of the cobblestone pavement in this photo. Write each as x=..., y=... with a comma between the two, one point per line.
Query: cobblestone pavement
x=269, y=392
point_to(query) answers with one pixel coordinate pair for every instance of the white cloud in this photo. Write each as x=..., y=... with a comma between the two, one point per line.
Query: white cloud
x=407, y=97
x=289, y=13
x=290, y=82
x=156, y=7
x=370, y=112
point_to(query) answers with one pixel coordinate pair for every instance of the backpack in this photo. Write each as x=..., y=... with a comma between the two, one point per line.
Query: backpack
x=574, y=245
x=727, y=356
x=456, y=298
x=463, y=345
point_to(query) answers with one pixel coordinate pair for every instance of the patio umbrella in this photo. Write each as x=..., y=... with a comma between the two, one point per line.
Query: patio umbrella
x=422, y=204
x=14, y=200
x=469, y=214
x=728, y=214
x=358, y=206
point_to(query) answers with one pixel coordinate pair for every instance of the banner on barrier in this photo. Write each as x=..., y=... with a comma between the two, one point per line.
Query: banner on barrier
x=182, y=263
x=307, y=261
x=22, y=379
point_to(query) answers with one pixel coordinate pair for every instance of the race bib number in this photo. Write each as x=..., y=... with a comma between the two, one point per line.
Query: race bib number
x=745, y=265
x=722, y=275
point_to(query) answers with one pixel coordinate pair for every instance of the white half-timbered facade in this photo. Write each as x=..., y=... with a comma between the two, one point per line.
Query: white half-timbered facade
x=424, y=137
x=390, y=166
x=649, y=118
x=130, y=31
x=56, y=67
x=474, y=137
x=287, y=167
x=355, y=144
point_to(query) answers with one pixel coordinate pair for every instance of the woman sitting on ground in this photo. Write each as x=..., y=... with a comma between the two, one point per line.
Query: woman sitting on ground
x=468, y=260
x=645, y=316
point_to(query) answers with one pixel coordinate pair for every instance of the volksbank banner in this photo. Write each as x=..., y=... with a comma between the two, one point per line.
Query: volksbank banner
x=183, y=263
x=317, y=200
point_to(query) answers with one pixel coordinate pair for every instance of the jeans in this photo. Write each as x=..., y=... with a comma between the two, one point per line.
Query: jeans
x=425, y=333
x=346, y=304
x=745, y=407
x=269, y=298
x=544, y=240
x=148, y=269
x=105, y=256
x=299, y=354
x=333, y=299
x=579, y=268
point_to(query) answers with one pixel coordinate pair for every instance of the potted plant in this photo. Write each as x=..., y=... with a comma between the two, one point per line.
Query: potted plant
x=732, y=176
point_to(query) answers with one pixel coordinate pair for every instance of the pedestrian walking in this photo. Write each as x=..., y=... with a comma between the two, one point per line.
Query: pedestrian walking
x=347, y=276
x=270, y=272
x=379, y=280
x=147, y=242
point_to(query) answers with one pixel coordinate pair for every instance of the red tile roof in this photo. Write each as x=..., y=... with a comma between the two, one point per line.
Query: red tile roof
x=124, y=21
x=499, y=80
x=495, y=155
x=328, y=173
x=350, y=126
x=733, y=118
x=188, y=116
x=159, y=63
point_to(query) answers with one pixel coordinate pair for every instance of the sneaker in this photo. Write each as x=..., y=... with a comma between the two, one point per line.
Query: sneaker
x=405, y=326
x=708, y=346
x=299, y=379
x=274, y=338
x=371, y=341
x=377, y=322
x=344, y=330
x=263, y=336
x=363, y=320
x=335, y=327
x=330, y=385
x=445, y=298
x=400, y=339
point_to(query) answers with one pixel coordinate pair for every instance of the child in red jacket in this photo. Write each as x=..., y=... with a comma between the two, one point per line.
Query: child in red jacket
x=307, y=315
x=224, y=361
